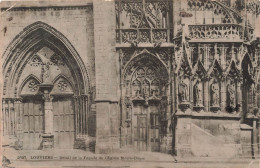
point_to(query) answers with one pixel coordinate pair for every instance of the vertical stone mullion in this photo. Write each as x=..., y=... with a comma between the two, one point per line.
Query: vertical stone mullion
x=239, y=96
x=177, y=91
x=206, y=93
x=191, y=93
x=223, y=95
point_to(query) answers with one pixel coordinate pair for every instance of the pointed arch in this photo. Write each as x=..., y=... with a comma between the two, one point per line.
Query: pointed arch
x=66, y=87
x=184, y=62
x=31, y=77
x=215, y=69
x=199, y=69
x=144, y=58
x=232, y=70
x=31, y=40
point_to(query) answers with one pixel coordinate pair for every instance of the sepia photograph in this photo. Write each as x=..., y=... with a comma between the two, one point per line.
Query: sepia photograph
x=130, y=83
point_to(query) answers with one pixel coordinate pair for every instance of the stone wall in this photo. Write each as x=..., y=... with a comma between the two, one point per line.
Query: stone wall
x=213, y=137
x=74, y=22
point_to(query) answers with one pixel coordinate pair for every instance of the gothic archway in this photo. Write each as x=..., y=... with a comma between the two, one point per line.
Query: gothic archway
x=145, y=108
x=46, y=88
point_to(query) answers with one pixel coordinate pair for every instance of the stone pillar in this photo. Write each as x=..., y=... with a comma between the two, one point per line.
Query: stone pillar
x=239, y=98
x=48, y=137
x=254, y=143
x=223, y=95
x=206, y=94
x=107, y=84
x=19, y=126
x=258, y=123
x=48, y=113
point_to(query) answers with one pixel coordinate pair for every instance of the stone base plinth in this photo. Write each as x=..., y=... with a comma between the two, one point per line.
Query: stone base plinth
x=47, y=141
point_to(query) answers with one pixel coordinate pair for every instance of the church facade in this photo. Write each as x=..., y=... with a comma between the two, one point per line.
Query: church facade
x=170, y=76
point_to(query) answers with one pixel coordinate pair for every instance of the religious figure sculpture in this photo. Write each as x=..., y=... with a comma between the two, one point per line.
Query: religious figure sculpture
x=231, y=92
x=215, y=94
x=198, y=94
x=183, y=91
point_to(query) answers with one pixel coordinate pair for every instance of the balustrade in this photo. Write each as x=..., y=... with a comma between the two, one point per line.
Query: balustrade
x=143, y=35
x=218, y=31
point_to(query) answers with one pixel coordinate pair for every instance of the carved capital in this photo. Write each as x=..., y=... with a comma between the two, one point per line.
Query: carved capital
x=47, y=97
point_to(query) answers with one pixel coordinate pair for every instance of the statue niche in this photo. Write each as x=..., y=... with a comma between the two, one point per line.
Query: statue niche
x=183, y=94
x=214, y=96
x=198, y=99
x=231, y=100
x=183, y=91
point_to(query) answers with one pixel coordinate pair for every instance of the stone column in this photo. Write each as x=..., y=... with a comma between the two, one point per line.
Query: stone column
x=107, y=84
x=239, y=97
x=206, y=94
x=254, y=143
x=48, y=113
x=19, y=127
x=258, y=123
x=223, y=95
x=48, y=137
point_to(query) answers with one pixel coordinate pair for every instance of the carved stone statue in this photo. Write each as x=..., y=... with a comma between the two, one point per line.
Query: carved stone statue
x=215, y=94
x=231, y=92
x=198, y=94
x=183, y=91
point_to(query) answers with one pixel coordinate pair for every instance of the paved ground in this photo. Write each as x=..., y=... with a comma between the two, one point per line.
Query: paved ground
x=83, y=159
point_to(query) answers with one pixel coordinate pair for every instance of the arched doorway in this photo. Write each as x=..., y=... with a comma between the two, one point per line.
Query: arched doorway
x=145, y=109
x=46, y=90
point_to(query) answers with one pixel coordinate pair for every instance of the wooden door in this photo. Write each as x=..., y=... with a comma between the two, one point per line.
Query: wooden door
x=141, y=133
x=33, y=123
x=63, y=123
x=155, y=138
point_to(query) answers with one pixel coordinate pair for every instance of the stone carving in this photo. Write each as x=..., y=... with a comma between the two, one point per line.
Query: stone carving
x=183, y=91
x=62, y=85
x=146, y=88
x=45, y=71
x=231, y=95
x=198, y=94
x=33, y=86
x=228, y=31
x=200, y=5
x=56, y=60
x=136, y=87
x=35, y=61
x=215, y=94
x=135, y=15
x=130, y=13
